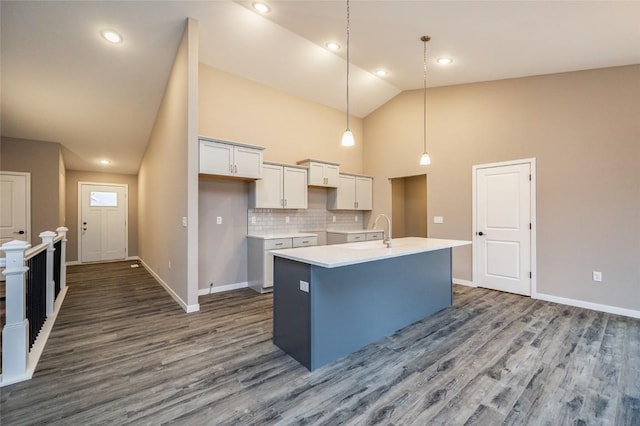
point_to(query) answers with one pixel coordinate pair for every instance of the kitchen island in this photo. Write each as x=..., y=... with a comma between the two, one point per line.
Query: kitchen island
x=330, y=301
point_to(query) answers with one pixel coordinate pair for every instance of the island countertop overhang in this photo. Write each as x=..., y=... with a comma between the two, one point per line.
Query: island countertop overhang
x=333, y=256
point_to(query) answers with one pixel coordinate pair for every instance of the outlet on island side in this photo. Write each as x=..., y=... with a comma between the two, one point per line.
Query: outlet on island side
x=597, y=276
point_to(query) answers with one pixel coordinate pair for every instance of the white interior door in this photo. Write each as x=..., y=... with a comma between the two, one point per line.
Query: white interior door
x=14, y=207
x=103, y=222
x=502, y=240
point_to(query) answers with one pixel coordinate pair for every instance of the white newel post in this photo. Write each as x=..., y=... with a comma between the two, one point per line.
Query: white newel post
x=15, y=334
x=62, y=231
x=47, y=238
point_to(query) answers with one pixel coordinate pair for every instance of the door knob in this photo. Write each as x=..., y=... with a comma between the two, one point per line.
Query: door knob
x=481, y=233
x=21, y=232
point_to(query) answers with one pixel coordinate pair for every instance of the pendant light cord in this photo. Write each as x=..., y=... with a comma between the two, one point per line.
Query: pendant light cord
x=425, y=39
x=348, y=27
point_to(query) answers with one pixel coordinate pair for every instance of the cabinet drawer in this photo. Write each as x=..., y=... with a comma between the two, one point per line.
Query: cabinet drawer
x=279, y=243
x=356, y=237
x=374, y=235
x=305, y=241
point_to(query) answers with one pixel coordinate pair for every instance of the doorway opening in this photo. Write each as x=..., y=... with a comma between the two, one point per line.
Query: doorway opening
x=409, y=206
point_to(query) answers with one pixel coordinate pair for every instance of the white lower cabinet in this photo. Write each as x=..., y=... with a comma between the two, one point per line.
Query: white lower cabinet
x=281, y=187
x=341, y=237
x=260, y=259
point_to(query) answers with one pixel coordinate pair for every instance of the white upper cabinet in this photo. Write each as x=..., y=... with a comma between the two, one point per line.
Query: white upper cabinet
x=322, y=173
x=229, y=159
x=281, y=187
x=353, y=193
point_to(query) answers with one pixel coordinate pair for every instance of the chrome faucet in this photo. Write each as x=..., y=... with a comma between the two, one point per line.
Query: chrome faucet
x=387, y=239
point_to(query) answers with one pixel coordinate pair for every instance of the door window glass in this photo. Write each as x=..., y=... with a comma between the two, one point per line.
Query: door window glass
x=103, y=199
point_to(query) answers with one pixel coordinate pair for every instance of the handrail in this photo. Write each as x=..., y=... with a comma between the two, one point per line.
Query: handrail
x=33, y=251
x=29, y=320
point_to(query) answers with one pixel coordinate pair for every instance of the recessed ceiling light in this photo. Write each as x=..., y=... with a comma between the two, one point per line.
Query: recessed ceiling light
x=111, y=36
x=382, y=73
x=261, y=7
x=105, y=162
x=444, y=61
x=333, y=46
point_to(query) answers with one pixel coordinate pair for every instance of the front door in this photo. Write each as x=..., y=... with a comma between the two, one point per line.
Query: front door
x=14, y=207
x=102, y=222
x=502, y=241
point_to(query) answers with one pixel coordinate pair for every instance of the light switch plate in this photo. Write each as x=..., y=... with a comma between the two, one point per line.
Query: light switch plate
x=597, y=276
x=219, y=220
x=304, y=286
x=438, y=219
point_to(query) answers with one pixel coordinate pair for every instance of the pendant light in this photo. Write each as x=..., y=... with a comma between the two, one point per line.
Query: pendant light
x=425, y=159
x=347, y=137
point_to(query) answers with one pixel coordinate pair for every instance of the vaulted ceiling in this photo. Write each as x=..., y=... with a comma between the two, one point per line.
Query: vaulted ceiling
x=62, y=82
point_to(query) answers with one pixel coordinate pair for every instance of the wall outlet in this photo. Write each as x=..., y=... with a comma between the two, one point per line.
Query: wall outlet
x=218, y=220
x=334, y=219
x=304, y=286
x=286, y=219
x=253, y=220
x=169, y=264
x=597, y=276
x=438, y=219
x=355, y=218
x=184, y=222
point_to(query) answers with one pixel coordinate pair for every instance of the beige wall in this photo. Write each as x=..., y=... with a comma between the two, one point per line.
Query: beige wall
x=42, y=160
x=290, y=128
x=584, y=130
x=72, y=179
x=167, y=180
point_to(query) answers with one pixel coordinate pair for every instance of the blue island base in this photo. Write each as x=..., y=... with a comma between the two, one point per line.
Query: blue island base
x=349, y=307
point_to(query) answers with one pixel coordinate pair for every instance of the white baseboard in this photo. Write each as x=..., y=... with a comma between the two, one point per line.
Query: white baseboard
x=187, y=308
x=132, y=258
x=38, y=346
x=463, y=282
x=72, y=262
x=588, y=305
x=221, y=288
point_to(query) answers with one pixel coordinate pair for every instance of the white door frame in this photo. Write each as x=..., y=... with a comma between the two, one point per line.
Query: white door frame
x=532, y=165
x=27, y=195
x=126, y=215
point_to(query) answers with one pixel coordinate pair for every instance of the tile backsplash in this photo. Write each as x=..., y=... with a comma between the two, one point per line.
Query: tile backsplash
x=274, y=221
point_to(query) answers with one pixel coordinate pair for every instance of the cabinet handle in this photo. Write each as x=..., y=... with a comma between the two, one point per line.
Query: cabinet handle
x=235, y=168
x=278, y=244
x=305, y=242
x=230, y=168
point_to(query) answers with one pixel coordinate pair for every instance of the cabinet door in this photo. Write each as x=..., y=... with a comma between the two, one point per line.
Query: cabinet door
x=364, y=193
x=247, y=162
x=316, y=174
x=269, y=189
x=346, y=197
x=295, y=188
x=216, y=158
x=331, y=174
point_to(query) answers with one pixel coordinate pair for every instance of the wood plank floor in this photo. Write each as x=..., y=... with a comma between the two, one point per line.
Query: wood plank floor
x=122, y=352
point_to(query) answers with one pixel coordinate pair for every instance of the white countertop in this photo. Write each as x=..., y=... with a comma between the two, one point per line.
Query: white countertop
x=283, y=235
x=352, y=231
x=336, y=255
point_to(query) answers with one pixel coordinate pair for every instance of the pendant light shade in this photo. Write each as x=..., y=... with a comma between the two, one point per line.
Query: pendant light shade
x=425, y=159
x=347, y=137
